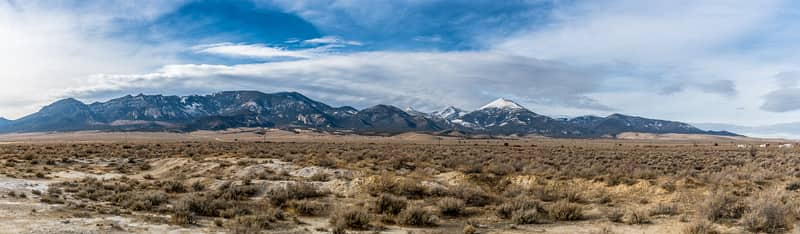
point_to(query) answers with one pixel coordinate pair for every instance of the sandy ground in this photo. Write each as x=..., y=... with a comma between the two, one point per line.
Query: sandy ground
x=28, y=215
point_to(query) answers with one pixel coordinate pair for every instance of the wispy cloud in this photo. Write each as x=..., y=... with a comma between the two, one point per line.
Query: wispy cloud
x=722, y=87
x=332, y=40
x=253, y=51
x=319, y=47
x=786, y=97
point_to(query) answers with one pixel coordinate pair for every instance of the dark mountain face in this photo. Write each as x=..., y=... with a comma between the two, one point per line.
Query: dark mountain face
x=64, y=115
x=216, y=111
x=618, y=123
x=511, y=121
x=142, y=107
x=384, y=118
x=290, y=109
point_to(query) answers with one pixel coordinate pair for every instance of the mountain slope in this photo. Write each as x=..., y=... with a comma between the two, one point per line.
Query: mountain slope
x=232, y=109
x=385, y=118
x=64, y=115
x=506, y=117
x=619, y=123
x=450, y=113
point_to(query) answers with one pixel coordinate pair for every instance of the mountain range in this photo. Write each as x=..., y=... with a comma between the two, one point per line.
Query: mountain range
x=232, y=109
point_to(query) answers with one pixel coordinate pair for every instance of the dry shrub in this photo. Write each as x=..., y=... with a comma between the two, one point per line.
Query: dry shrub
x=416, y=216
x=234, y=211
x=381, y=184
x=198, y=187
x=618, y=178
x=352, y=218
x=472, y=168
x=300, y=190
x=140, y=201
x=793, y=186
x=319, y=176
x=236, y=192
x=451, y=206
x=700, y=227
x=389, y=204
x=202, y=205
x=507, y=209
x=325, y=162
x=665, y=209
x=183, y=217
x=173, y=186
x=566, y=211
x=306, y=207
x=559, y=191
x=767, y=213
x=721, y=205
x=256, y=223
x=410, y=188
x=615, y=215
x=530, y=216
x=500, y=169
x=469, y=229
x=644, y=174
x=637, y=216
x=472, y=195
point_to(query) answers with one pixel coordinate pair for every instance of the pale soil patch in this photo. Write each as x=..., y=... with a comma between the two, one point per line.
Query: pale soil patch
x=452, y=178
x=73, y=175
x=22, y=185
x=29, y=215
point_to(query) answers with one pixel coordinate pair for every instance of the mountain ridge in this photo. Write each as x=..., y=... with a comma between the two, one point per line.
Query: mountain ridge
x=232, y=109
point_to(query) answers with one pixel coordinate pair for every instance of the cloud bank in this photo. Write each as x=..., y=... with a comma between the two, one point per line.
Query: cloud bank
x=694, y=61
x=422, y=80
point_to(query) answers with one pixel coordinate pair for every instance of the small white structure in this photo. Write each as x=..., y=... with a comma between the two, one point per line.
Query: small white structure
x=785, y=146
x=742, y=146
x=764, y=145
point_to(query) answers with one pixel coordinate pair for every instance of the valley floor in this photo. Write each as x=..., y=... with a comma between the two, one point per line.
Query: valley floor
x=283, y=182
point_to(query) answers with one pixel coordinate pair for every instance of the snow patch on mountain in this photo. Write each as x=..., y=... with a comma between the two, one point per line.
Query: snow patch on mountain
x=450, y=113
x=502, y=103
x=411, y=111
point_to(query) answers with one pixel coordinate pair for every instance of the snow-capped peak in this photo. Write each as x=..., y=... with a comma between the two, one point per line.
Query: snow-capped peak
x=502, y=103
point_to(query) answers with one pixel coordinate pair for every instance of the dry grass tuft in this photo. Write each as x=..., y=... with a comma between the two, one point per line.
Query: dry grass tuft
x=417, y=216
x=566, y=211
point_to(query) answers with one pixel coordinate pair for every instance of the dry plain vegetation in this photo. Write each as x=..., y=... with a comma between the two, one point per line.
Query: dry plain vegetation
x=451, y=186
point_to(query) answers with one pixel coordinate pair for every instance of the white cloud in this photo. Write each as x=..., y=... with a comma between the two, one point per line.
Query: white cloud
x=253, y=51
x=423, y=80
x=691, y=50
x=585, y=59
x=324, y=46
x=332, y=40
x=47, y=47
x=641, y=31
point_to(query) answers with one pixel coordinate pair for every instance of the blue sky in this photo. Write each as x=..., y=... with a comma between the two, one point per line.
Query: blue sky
x=694, y=61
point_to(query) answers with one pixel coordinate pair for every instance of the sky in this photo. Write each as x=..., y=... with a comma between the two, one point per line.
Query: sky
x=730, y=62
